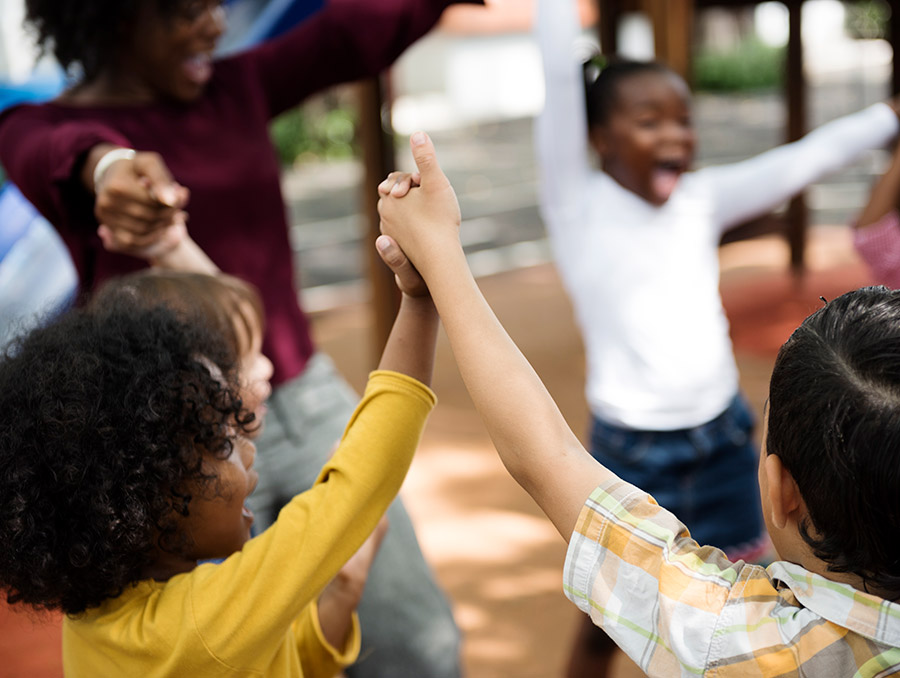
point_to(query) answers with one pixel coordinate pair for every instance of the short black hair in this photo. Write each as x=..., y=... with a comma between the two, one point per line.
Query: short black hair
x=87, y=34
x=106, y=417
x=601, y=81
x=834, y=421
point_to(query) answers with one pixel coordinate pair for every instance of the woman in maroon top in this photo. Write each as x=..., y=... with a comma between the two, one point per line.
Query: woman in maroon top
x=156, y=130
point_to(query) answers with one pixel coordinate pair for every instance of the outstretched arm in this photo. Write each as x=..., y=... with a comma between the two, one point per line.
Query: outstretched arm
x=532, y=437
x=59, y=164
x=344, y=41
x=750, y=188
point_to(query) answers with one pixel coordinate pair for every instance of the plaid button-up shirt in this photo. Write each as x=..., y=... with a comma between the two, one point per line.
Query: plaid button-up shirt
x=679, y=609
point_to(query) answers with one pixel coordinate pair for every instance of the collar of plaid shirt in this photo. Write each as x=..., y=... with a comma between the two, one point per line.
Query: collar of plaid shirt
x=841, y=604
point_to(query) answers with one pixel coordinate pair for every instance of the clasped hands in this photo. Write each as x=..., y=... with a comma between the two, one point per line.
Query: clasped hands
x=420, y=218
x=140, y=207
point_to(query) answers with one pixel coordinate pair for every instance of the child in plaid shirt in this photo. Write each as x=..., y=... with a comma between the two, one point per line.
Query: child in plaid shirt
x=829, y=481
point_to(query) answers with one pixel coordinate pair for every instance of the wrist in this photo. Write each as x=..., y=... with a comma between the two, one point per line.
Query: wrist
x=106, y=160
x=437, y=253
x=417, y=303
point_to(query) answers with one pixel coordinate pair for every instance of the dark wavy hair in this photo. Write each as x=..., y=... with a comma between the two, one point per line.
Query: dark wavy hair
x=107, y=415
x=87, y=34
x=602, y=77
x=834, y=420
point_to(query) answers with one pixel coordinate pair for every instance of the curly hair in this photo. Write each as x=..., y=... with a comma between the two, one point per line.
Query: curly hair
x=87, y=34
x=834, y=421
x=108, y=414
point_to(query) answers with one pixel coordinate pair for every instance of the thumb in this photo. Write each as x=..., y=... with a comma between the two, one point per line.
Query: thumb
x=426, y=160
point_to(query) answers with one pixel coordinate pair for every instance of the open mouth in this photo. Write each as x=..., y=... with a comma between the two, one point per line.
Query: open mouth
x=198, y=68
x=247, y=513
x=665, y=177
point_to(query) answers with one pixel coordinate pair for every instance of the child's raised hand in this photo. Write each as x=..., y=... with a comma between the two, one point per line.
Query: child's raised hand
x=398, y=184
x=167, y=239
x=425, y=221
x=408, y=279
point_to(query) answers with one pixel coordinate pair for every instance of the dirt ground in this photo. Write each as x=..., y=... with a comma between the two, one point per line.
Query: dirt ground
x=497, y=557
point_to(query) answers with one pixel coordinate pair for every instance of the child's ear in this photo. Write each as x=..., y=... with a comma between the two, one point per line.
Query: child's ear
x=785, y=500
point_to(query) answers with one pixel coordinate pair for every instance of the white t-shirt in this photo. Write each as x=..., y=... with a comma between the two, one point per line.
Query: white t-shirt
x=644, y=279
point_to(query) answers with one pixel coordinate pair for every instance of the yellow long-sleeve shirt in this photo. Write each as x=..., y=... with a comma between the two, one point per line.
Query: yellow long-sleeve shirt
x=255, y=613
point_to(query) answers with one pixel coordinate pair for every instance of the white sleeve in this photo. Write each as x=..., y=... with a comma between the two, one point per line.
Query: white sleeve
x=751, y=188
x=561, y=131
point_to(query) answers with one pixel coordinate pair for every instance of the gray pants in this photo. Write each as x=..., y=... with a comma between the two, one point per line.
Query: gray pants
x=407, y=626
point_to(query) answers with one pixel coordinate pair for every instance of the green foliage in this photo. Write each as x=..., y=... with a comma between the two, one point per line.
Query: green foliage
x=867, y=19
x=751, y=65
x=309, y=132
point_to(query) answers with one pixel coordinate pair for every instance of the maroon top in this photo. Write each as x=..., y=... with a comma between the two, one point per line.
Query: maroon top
x=219, y=147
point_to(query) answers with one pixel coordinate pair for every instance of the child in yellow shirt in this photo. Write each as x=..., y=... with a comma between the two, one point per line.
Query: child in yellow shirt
x=126, y=457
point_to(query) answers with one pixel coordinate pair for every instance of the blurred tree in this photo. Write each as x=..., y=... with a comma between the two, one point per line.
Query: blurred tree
x=867, y=19
x=322, y=128
x=748, y=65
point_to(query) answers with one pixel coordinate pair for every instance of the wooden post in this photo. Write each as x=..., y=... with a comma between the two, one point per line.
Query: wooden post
x=377, y=140
x=608, y=25
x=795, y=94
x=673, y=24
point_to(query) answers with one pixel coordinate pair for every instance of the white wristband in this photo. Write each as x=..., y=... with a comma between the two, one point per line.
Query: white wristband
x=108, y=159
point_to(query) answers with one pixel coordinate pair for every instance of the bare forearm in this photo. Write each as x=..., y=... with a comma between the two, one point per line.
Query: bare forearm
x=336, y=617
x=410, y=346
x=532, y=437
x=186, y=256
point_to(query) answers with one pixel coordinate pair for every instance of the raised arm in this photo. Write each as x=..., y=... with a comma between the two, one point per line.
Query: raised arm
x=747, y=189
x=561, y=130
x=877, y=230
x=532, y=437
x=885, y=196
x=345, y=41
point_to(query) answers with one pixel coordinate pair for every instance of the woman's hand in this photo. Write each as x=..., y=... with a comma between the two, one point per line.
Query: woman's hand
x=137, y=201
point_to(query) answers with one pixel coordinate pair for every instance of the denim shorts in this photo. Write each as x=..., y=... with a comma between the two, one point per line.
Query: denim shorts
x=706, y=476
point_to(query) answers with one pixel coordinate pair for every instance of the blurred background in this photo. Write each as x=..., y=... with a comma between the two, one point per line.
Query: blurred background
x=475, y=84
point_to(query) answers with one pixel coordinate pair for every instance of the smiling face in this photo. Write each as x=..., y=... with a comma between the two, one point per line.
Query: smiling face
x=218, y=522
x=170, y=57
x=648, y=141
